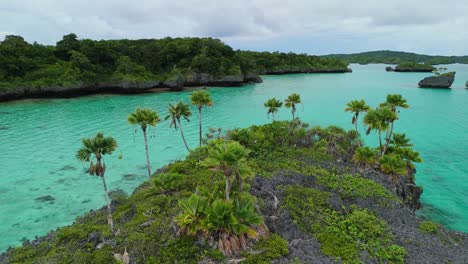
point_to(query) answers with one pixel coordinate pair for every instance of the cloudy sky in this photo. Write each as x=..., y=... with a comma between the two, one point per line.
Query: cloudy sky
x=311, y=26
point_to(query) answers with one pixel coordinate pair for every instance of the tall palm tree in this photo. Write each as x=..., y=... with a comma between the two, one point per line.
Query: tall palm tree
x=229, y=159
x=273, y=106
x=356, y=107
x=176, y=113
x=291, y=102
x=144, y=117
x=376, y=119
x=201, y=98
x=94, y=149
x=394, y=102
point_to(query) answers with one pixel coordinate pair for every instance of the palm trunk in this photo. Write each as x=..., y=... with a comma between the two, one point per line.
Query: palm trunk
x=200, y=123
x=109, y=211
x=183, y=137
x=273, y=116
x=380, y=142
x=389, y=137
x=293, y=115
x=357, y=131
x=240, y=184
x=228, y=188
x=148, y=165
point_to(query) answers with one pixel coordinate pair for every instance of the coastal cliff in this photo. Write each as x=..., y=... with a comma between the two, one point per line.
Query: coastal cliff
x=317, y=205
x=129, y=87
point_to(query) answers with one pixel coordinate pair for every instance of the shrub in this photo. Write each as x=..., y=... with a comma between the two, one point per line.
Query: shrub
x=428, y=227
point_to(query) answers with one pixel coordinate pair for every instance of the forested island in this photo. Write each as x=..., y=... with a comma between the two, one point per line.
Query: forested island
x=397, y=57
x=81, y=66
x=275, y=193
x=410, y=66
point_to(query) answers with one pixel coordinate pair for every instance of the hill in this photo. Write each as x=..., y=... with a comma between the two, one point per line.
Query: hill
x=396, y=57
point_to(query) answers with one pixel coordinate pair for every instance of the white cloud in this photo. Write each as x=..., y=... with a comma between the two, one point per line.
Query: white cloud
x=417, y=25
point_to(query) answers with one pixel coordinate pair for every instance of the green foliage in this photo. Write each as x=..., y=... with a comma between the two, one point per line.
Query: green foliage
x=341, y=234
x=180, y=250
x=396, y=57
x=273, y=106
x=270, y=248
x=355, y=186
x=201, y=98
x=75, y=61
x=428, y=227
x=394, y=165
x=365, y=156
x=414, y=66
x=168, y=182
x=144, y=117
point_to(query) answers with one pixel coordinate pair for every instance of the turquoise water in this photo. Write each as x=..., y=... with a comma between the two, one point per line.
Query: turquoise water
x=39, y=139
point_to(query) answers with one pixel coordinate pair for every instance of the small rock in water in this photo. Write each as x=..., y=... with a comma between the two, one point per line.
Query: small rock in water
x=4, y=128
x=86, y=201
x=67, y=168
x=45, y=198
x=129, y=177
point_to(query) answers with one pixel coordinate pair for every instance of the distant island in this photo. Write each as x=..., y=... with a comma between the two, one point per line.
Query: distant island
x=82, y=66
x=412, y=67
x=396, y=57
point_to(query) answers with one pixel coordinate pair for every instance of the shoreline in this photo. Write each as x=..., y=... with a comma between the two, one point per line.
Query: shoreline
x=131, y=87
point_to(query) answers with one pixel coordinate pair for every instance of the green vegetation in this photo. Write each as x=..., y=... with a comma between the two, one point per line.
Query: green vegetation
x=176, y=112
x=342, y=234
x=356, y=107
x=144, y=117
x=291, y=102
x=202, y=208
x=74, y=62
x=273, y=106
x=271, y=247
x=201, y=98
x=429, y=227
x=414, y=66
x=397, y=57
x=94, y=149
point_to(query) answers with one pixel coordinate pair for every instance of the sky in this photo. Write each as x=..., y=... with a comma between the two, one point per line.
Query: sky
x=304, y=26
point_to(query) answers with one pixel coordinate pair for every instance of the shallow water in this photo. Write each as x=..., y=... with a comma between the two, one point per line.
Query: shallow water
x=39, y=139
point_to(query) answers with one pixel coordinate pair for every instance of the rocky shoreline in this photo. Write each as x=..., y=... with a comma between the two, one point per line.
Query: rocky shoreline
x=128, y=87
x=135, y=87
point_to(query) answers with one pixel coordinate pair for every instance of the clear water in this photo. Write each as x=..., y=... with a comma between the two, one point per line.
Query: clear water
x=39, y=139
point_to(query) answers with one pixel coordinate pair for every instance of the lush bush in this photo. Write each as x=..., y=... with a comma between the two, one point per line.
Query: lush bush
x=428, y=227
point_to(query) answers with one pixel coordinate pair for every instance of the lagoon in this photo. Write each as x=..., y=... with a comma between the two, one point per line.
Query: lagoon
x=39, y=140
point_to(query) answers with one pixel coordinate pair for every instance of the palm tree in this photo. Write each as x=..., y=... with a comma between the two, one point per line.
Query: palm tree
x=364, y=156
x=144, y=117
x=393, y=165
x=291, y=102
x=94, y=149
x=201, y=98
x=229, y=159
x=379, y=119
x=394, y=102
x=273, y=106
x=357, y=107
x=400, y=140
x=176, y=112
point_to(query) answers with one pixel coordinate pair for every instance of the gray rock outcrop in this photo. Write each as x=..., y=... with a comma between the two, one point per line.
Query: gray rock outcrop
x=442, y=81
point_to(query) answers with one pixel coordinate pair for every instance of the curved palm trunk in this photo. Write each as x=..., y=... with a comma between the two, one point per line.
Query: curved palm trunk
x=200, y=123
x=389, y=137
x=357, y=131
x=380, y=142
x=110, y=221
x=183, y=137
x=293, y=114
x=148, y=165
